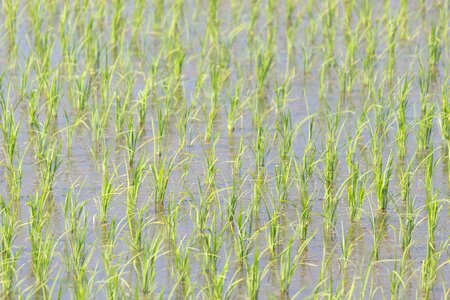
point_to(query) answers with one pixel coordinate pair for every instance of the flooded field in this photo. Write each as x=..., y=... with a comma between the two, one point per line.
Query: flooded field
x=225, y=149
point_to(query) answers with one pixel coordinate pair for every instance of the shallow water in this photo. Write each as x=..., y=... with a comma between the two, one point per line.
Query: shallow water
x=320, y=270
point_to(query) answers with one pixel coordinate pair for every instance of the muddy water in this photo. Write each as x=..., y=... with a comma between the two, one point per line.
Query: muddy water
x=323, y=254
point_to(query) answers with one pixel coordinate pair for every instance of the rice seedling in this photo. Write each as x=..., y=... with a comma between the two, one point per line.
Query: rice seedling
x=402, y=124
x=137, y=19
x=9, y=130
x=118, y=24
x=399, y=276
x=347, y=248
x=183, y=269
x=9, y=256
x=263, y=63
x=289, y=264
x=287, y=268
x=107, y=189
x=356, y=190
x=13, y=164
x=183, y=125
x=348, y=74
x=407, y=223
x=260, y=148
x=243, y=243
x=172, y=221
x=430, y=264
x=234, y=111
x=210, y=164
x=434, y=46
x=382, y=174
x=121, y=107
x=254, y=276
x=425, y=129
x=392, y=28
x=10, y=9
x=274, y=232
x=97, y=125
x=132, y=141
x=254, y=16
x=448, y=160
x=146, y=266
x=376, y=224
x=236, y=186
x=43, y=244
x=403, y=20
x=78, y=253
x=33, y=102
x=330, y=171
x=134, y=182
x=329, y=30
x=161, y=171
x=382, y=179
x=113, y=289
x=211, y=242
x=81, y=93
x=50, y=163
x=445, y=112
x=162, y=118
x=370, y=50
x=325, y=275
x=304, y=172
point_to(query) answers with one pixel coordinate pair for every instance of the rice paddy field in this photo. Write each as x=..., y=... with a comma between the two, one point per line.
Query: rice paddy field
x=224, y=149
